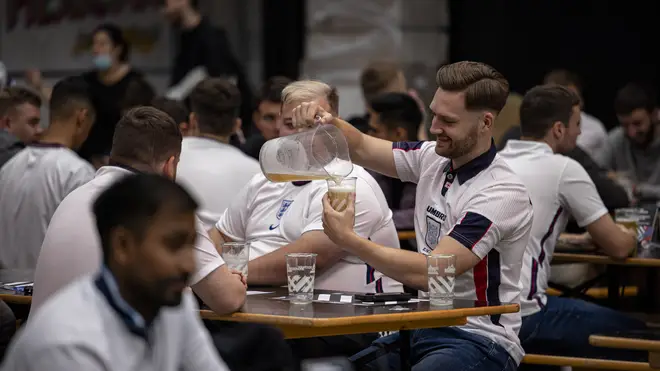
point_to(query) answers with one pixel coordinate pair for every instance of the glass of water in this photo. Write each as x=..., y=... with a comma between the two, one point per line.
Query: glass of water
x=442, y=272
x=300, y=272
x=237, y=256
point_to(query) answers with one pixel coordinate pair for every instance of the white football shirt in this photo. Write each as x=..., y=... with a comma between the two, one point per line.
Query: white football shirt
x=273, y=215
x=72, y=246
x=88, y=326
x=32, y=184
x=484, y=206
x=559, y=187
x=213, y=172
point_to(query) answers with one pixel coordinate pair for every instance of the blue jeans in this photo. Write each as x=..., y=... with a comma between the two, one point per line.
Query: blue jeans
x=563, y=327
x=447, y=348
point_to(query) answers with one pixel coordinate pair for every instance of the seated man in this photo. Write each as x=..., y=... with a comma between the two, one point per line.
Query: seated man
x=396, y=117
x=146, y=141
x=560, y=188
x=136, y=313
x=37, y=179
x=634, y=150
x=177, y=111
x=469, y=204
x=20, y=120
x=266, y=115
x=259, y=215
x=210, y=168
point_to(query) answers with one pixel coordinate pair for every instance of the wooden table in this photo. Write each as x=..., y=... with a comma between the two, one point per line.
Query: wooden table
x=406, y=235
x=328, y=319
x=645, y=259
x=644, y=342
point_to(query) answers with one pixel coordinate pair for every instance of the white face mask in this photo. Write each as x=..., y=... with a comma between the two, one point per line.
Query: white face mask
x=102, y=62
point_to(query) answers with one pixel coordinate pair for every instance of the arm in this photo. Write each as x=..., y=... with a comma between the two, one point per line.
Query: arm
x=502, y=212
x=612, y=194
x=198, y=352
x=232, y=223
x=578, y=195
x=367, y=151
x=219, y=289
x=270, y=269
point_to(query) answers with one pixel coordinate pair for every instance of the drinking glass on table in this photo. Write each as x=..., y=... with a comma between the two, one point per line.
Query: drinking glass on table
x=300, y=273
x=340, y=192
x=442, y=273
x=236, y=256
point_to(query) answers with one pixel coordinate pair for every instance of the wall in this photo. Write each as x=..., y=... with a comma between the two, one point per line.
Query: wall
x=345, y=35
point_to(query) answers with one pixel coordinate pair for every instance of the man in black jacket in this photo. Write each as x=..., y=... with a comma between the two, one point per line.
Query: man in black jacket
x=201, y=44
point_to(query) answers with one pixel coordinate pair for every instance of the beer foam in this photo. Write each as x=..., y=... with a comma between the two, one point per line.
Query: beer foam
x=341, y=189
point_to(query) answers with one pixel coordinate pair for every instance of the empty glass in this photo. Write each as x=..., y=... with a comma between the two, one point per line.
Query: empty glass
x=300, y=273
x=442, y=273
x=236, y=256
x=318, y=153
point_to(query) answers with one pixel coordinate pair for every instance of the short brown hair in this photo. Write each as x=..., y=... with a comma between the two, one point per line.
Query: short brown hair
x=14, y=96
x=147, y=136
x=563, y=78
x=544, y=105
x=271, y=90
x=377, y=76
x=216, y=102
x=484, y=86
x=139, y=92
x=176, y=109
x=309, y=90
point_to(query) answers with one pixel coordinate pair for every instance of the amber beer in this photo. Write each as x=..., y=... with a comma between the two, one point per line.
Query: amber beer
x=340, y=192
x=629, y=224
x=293, y=177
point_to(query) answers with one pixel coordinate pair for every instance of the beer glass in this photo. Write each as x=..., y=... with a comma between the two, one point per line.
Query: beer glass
x=236, y=256
x=340, y=192
x=315, y=154
x=300, y=273
x=442, y=272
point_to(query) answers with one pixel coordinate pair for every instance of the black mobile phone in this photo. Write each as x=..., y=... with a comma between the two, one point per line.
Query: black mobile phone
x=383, y=296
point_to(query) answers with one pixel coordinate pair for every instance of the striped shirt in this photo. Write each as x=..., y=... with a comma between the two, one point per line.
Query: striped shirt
x=484, y=206
x=560, y=188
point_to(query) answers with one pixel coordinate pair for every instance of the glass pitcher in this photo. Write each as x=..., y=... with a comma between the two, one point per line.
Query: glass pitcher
x=315, y=154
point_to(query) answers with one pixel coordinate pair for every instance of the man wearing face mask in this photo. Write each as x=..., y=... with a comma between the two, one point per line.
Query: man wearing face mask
x=202, y=45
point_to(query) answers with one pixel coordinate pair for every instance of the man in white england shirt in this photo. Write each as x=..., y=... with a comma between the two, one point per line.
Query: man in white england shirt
x=560, y=188
x=213, y=170
x=469, y=204
x=135, y=313
x=146, y=140
x=39, y=177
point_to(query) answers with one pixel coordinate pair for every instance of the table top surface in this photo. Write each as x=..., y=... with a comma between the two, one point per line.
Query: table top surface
x=273, y=305
x=645, y=258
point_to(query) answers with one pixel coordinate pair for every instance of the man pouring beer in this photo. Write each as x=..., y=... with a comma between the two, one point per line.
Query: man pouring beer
x=469, y=204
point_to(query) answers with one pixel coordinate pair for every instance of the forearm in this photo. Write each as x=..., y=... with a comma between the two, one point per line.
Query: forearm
x=270, y=269
x=404, y=266
x=221, y=291
x=367, y=151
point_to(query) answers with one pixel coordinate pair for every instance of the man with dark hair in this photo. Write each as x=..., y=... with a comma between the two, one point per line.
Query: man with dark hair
x=266, y=114
x=593, y=139
x=212, y=169
x=146, y=141
x=201, y=44
x=20, y=120
x=37, y=179
x=470, y=204
x=560, y=189
x=139, y=92
x=635, y=145
x=176, y=110
x=396, y=117
x=137, y=304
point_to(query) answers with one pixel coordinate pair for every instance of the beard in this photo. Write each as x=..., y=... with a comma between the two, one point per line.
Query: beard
x=453, y=148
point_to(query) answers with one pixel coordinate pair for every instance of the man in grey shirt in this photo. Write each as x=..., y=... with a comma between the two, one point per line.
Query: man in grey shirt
x=136, y=314
x=635, y=144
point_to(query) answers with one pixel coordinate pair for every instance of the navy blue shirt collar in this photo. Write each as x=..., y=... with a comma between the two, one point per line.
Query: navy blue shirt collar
x=105, y=282
x=473, y=167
